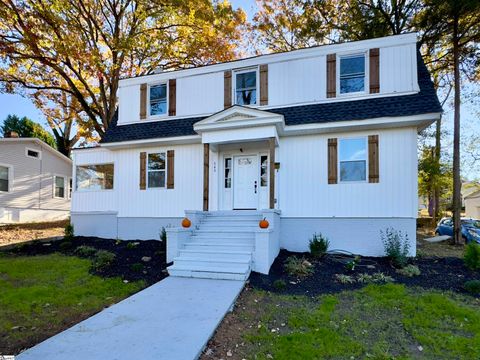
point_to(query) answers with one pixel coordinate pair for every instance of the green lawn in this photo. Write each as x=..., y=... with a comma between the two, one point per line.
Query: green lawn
x=41, y=295
x=377, y=322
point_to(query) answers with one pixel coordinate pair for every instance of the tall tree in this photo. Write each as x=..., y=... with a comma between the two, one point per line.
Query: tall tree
x=25, y=127
x=452, y=32
x=84, y=47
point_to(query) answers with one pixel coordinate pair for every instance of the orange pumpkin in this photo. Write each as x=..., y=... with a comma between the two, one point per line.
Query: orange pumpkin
x=263, y=224
x=186, y=223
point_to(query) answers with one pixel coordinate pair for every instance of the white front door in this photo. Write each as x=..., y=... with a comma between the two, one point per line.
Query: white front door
x=245, y=182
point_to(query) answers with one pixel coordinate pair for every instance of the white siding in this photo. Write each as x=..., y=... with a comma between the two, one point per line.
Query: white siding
x=398, y=69
x=129, y=104
x=128, y=199
x=297, y=81
x=202, y=94
x=304, y=191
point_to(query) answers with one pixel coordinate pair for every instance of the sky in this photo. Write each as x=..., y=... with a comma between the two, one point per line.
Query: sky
x=470, y=115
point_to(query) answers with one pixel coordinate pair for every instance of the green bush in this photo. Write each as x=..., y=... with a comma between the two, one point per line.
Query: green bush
x=472, y=286
x=131, y=245
x=472, y=256
x=396, y=246
x=103, y=259
x=279, y=284
x=137, y=267
x=319, y=245
x=85, y=251
x=344, y=279
x=69, y=232
x=298, y=267
x=409, y=271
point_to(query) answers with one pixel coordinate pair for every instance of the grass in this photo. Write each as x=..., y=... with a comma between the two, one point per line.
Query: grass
x=42, y=295
x=379, y=322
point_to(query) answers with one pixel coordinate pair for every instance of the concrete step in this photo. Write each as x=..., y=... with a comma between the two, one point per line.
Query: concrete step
x=216, y=246
x=215, y=254
x=224, y=233
x=218, y=262
x=222, y=240
x=230, y=222
x=234, y=213
x=232, y=272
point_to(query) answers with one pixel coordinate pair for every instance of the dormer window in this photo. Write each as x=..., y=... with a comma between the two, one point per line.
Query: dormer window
x=352, y=74
x=158, y=99
x=246, y=87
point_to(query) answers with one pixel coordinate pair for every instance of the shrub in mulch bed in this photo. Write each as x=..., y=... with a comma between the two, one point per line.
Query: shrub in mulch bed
x=128, y=256
x=435, y=273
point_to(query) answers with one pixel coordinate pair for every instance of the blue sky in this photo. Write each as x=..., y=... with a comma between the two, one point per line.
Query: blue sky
x=16, y=104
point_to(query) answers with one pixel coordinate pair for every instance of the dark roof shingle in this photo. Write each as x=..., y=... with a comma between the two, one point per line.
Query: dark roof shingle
x=423, y=102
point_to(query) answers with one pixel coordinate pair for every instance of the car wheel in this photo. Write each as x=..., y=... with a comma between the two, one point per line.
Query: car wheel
x=437, y=233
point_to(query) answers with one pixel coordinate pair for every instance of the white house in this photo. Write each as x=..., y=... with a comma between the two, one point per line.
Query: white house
x=472, y=205
x=322, y=139
x=34, y=181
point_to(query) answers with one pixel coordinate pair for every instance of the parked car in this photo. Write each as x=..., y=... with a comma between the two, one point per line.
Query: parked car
x=470, y=229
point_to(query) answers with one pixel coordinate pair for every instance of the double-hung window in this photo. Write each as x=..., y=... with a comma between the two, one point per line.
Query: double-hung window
x=156, y=170
x=246, y=87
x=158, y=99
x=353, y=159
x=59, y=187
x=352, y=74
x=4, y=179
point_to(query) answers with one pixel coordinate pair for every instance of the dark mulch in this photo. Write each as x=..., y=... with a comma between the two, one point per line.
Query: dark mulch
x=436, y=273
x=127, y=257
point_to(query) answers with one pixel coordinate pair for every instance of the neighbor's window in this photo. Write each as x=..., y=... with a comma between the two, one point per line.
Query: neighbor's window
x=4, y=178
x=353, y=159
x=158, y=99
x=59, y=183
x=228, y=173
x=33, y=153
x=156, y=170
x=94, y=177
x=352, y=74
x=70, y=187
x=246, y=87
x=264, y=170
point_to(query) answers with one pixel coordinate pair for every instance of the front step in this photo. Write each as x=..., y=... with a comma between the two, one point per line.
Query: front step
x=232, y=272
x=200, y=246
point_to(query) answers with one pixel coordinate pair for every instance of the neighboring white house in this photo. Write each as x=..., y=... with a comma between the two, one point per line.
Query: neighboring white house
x=472, y=205
x=34, y=181
x=322, y=139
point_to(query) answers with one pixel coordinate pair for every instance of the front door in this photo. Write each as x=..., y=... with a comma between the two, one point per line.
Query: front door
x=245, y=182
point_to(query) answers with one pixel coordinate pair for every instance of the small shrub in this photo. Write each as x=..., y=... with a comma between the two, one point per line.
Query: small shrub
x=85, y=251
x=131, y=245
x=472, y=256
x=396, y=246
x=365, y=278
x=137, y=267
x=279, y=284
x=65, y=245
x=351, y=265
x=381, y=277
x=103, y=259
x=472, y=286
x=319, y=245
x=69, y=232
x=344, y=279
x=298, y=267
x=409, y=271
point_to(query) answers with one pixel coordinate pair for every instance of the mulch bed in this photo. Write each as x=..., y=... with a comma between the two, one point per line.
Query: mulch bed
x=436, y=273
x=127, y=257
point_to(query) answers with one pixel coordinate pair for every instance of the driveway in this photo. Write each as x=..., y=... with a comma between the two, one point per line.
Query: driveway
x=172, y=319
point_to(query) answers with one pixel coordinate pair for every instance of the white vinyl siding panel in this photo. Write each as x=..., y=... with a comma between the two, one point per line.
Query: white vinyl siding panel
x=398, y=69
x=202, y=94
x=129, y=104
x=304, y=191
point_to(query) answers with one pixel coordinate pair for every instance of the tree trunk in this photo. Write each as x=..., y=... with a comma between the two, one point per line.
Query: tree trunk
x=457, y=201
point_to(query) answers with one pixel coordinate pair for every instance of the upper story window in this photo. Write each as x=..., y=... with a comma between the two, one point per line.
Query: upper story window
x=352, y=74
x=246, y=87
x=95, y=177
x=156, y=170
x=4, y=179
x=353, y=159
x=158, y=99
x=59, y=187
x=32, y=153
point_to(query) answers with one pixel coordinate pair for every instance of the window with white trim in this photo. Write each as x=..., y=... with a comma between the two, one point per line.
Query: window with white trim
x=352, y=73
x=33, y=153
x=4, y=179
x=94, y=177
x=59, y=186
x=264, y=170
x=352, y=158
x=228, y=173
x=158, y=99
x=246, y=87
x=157, y=170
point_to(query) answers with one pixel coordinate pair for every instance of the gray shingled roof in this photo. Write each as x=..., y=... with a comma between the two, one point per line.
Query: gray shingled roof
x=426, y=101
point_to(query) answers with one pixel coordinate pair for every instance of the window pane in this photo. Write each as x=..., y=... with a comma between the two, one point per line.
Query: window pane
x=353, y=149
x=352, y=85
x=353, y=171
x=158, y=108
x=246, y=97
x=33, y=153
x=264, y=171
x=158, y=92
x=59, y=181
x=95, y=177
x=352, y=65
x=246, y=80
x=156, y=179
x=3, y=185
x=3, y=178
x=156, y=161
x=228, y=173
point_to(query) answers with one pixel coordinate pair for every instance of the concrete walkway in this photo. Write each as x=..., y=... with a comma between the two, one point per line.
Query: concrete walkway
x=172, y=320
